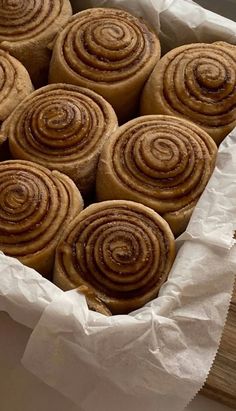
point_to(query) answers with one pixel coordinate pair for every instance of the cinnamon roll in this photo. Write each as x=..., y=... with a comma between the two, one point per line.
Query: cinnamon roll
x=120, y=250
x=108, y=51
x=163, y=162
x=62, y=127
x=35, y=207
x=197, y=82
x=28, y=27
x=15, y=84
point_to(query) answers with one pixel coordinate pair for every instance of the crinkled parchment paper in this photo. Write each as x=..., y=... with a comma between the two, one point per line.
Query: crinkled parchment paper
x=158, y=357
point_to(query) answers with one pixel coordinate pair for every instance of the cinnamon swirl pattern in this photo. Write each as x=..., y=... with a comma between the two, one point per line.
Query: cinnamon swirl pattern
x=15, y=84
x=163, y=162
x=108, y=51
x=35, y=207
x=27, y=27
x=197, y=82
x=120, y=250
x=62, y=127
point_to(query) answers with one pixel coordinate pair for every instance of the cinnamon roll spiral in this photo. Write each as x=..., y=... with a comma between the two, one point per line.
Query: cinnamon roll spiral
x=62, y=127
x=108, y=51
x=27, y=27
x=15, y=84
x=35, y=207
x=120, y=250
x=163, y=162
x=197, y=82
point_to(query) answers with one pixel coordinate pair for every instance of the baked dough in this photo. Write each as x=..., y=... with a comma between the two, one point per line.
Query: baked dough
x=108, y=51
x=163, y=162
x=15, y=84
x=62, y=127
x=196, y=82
x=120, y=250
x=36, y=206
x=27, y=30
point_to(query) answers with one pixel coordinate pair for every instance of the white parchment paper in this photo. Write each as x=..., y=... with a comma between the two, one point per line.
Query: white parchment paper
x=158, y=357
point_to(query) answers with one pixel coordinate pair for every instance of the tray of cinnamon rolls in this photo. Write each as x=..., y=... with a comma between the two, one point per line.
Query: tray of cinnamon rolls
x=114, y=122
x=106, y=145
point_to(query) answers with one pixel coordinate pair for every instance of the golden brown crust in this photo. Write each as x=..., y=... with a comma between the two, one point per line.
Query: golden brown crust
x=108, y=51
x=163, y=162
x=94, y=303
x=120, y=250
x=27, y=27
x=62, y=127
x=15, y=84
x=197, y=82
x=35, y=207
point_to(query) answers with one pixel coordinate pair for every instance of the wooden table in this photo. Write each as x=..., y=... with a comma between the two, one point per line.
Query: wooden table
x=221, y=382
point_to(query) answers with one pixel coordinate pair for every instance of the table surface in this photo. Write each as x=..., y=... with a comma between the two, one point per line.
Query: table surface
x=226, y=8
x=20, y=390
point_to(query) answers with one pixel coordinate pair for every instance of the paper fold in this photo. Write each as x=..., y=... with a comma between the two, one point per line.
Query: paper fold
x=24, y=293
x=214, y=220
